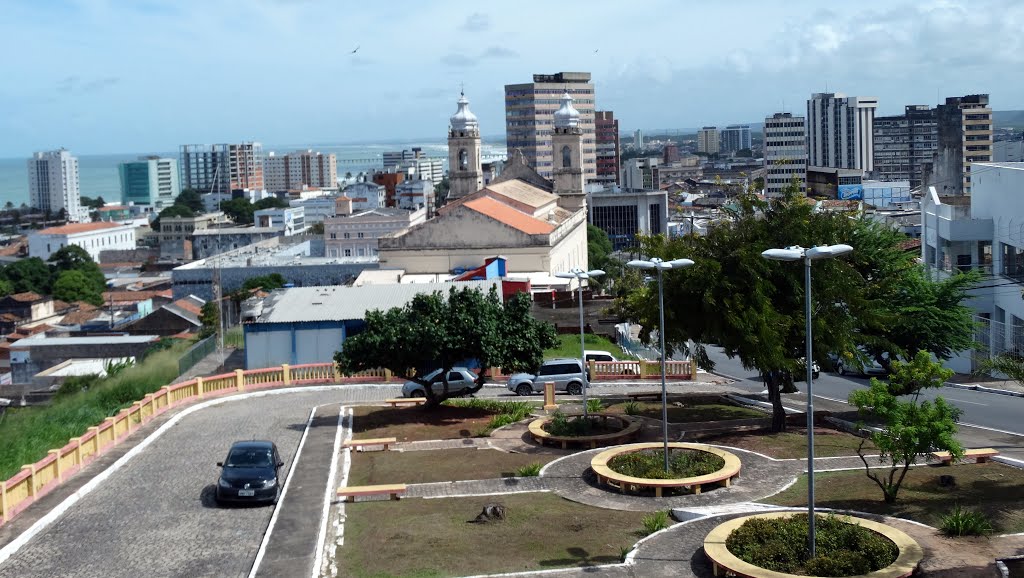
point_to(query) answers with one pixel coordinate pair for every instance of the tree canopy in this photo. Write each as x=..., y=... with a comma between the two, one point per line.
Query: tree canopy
x=190, y=198
x=75, y=258
x=30, y=274
x=754, y=308
x=241, y=210
x=74, y=285
x=264, y=282
x=434, y=331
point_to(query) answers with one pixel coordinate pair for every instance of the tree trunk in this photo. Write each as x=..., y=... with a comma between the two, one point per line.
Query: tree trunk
x=774, y=380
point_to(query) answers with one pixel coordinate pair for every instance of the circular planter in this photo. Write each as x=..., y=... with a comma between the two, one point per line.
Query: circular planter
x=910, y=553
x=625, y=484
x=629, y=428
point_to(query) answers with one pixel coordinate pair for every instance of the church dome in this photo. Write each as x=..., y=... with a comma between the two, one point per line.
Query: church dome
x=463, y=119
x=567, y=116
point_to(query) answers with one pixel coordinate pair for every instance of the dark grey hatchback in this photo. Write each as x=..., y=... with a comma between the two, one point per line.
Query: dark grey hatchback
x=250, y=473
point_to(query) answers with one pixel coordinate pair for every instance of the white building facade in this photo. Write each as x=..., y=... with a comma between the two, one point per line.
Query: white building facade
x=317, y=209
x=366, y=196
x=785, y=152
x=357, y=235
x=53, y=183
x=300, y=169
x=151, y=182
x=416, y=194
x=93, y=237
x=840, y=131
x=290, y=220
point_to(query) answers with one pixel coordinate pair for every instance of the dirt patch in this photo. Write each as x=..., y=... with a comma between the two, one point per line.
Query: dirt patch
x=418, y=423
x=418, y=467
x=792, y=443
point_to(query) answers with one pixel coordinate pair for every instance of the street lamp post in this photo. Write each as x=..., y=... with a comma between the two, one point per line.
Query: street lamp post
x=580, y=275
x=798, y=253
x=660, y=266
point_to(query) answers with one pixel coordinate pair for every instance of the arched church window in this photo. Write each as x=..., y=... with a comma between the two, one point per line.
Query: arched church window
x=566, y=157
x=463, y=160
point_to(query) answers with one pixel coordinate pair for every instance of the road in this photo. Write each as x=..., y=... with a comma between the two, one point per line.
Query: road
x=983, y=410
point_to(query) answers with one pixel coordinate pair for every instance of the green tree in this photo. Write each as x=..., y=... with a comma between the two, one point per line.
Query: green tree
x=437, y=332
x=209, y=316
x=6, y=288
x=754, y=308
x=74, y=285
x=441, y=191
x=316, y=229
x=239, y=209
x=599, y=247
x=191, y=199
x=912, y=427
x=75, y=258
x=30, y=274
x=270, y=203
x=264, y=282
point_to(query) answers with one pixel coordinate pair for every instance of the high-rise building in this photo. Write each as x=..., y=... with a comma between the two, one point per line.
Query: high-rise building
x=670, y=154
x=735, y=137
x=708, y=141
x=840, y=131
x=53, y=183
x=638, y=139
x=415, y=165
x=904, y=144
x=529, y=110
x=785, y=152
x=150, y=181
x=465, y=174
x=964, y=137
x=300, y=169
x=606, y=128
x=222, y=168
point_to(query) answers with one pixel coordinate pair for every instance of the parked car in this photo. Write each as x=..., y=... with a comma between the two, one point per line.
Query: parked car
x=567, y=374
x=849, y=366
x=627, y=367
x=250, y=473
x=801, y=372
x=460, y=382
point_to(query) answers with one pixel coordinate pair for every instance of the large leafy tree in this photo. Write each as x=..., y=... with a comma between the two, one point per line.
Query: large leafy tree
x=754, y=308
x=30, y=274
x=75, y=258
x=435, y=331
x=239, y=209
x=73, y=285
x=264, y=282
x=912, y=427
x=190, y=198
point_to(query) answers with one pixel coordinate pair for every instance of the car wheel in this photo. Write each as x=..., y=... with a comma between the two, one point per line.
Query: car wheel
x=524, y=389
x=417, y=393
x=840, y=369
x=815, y=375
x=574, y=388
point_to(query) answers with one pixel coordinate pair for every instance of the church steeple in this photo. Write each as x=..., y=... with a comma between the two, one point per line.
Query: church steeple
x=567, y=153
x=465, y=171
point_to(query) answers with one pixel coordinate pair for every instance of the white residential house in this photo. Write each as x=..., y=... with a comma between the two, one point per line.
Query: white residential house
x=93, y=237
x=416, y=194
x=366, y=196
x=357, y=235
x=317, y=209
x=290, y=220
x=983, y=231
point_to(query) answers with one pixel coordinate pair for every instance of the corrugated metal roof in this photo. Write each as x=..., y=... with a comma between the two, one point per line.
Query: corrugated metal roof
x=39, y=341
x=334, y=303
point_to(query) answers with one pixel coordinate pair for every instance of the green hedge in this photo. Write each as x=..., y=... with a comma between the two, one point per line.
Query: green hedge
x=29, y=432
x=780, y=544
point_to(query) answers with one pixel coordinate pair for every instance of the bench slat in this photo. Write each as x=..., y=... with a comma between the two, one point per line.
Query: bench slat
x=370, y=442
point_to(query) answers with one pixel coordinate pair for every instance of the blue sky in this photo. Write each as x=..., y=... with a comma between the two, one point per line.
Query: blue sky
x=105, y=76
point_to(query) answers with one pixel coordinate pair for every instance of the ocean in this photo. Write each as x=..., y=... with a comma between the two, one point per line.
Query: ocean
x=98, y=176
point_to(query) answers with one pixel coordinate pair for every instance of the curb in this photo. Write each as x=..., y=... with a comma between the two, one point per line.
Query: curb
x=983, y=389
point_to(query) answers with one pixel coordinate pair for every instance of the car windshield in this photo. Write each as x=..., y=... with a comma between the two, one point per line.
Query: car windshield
x=248, y=458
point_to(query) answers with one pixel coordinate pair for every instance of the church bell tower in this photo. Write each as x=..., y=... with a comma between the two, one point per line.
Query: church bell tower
x=567, y=154
x=465, y=173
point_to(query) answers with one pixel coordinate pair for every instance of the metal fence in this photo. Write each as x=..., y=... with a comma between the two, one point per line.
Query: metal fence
x=196, y=353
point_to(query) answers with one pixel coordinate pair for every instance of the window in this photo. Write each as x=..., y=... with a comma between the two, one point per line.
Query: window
x=347, y=235
x=566, y=157
x=463, y=160
x=348, y=252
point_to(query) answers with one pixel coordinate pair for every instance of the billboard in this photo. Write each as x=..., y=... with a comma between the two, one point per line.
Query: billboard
x=851, y=192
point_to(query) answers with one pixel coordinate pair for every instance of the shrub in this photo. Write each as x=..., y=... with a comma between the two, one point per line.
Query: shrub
x=963, y=522
x=76, y=384
x=529, y=470
x=650, y=464
x=780, y=544
x=561, y=425
x=508, y=412
x=500, y=420
x=632, y=408
x=655, y=522
x=594, y=405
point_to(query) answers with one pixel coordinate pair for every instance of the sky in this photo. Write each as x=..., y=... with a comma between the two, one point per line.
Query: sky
x=119, y=76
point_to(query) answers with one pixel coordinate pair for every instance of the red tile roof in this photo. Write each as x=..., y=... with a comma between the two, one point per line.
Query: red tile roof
x=505, y=214
x=188, y=305
x=75, y=228
x=134, y=296
x=27, y=297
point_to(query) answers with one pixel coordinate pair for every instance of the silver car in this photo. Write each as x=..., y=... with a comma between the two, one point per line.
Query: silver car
x=460, y=381
x=567, y=374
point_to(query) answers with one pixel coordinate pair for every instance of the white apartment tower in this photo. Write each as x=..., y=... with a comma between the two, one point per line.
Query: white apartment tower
x=295, y=170
x=708, y=140
x=567, y=155
x=840, y=131
x=465, y=173
x=785, y=152
x=53, y=183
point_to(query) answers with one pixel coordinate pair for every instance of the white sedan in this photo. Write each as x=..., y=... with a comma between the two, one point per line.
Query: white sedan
x=460, y=381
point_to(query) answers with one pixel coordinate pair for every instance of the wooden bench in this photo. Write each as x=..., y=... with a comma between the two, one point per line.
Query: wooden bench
x=980, y=455
x=393, y=490
x=360, y=444
x=638, y=395
x=405, y=401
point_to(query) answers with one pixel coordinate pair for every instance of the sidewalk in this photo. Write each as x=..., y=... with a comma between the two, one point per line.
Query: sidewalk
x=984, y=382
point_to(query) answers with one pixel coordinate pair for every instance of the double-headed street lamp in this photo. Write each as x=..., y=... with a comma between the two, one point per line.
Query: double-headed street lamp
x=797, y=253
x=656, y=263
x=580, y=275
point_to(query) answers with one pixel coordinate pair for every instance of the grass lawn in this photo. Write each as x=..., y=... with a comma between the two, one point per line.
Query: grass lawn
x=992, y=488
x=690, y=412
x=428, y=538
x=793, y=443
x=437, y=466
x=569, y=346
x=416, y=423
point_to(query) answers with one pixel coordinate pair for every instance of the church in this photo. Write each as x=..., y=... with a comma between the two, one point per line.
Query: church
x=538, y=225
